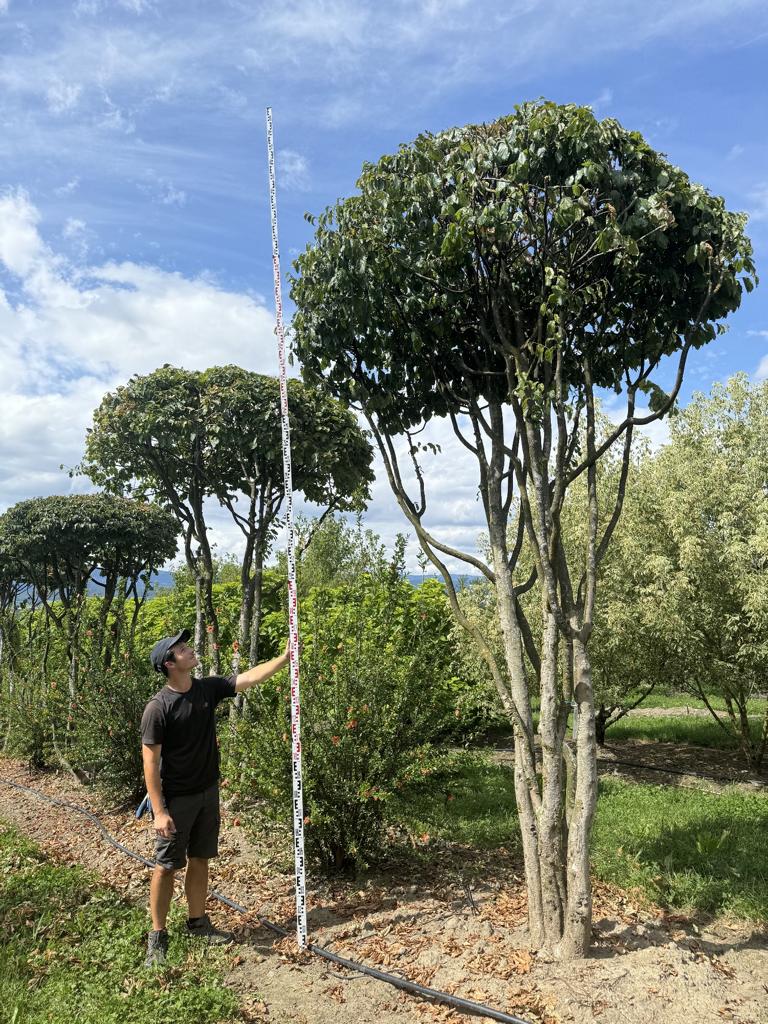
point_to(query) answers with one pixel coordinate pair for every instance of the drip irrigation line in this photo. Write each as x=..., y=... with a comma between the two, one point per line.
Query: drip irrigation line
x=676, y=771
x=435, y=995
x=707, y=776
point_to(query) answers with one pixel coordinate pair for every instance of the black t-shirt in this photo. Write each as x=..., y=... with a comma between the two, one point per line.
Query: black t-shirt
x=185, y=725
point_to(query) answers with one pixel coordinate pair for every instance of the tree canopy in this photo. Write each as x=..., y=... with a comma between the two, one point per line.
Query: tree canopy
x=476, y=262
x=186, y=436
x=58, y=544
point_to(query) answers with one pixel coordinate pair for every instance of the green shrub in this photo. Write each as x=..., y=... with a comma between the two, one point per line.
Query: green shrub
x=107, y=718
x=30, y=717
x=375, y=693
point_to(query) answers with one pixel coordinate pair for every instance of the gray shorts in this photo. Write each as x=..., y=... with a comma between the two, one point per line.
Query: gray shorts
x=197, y=818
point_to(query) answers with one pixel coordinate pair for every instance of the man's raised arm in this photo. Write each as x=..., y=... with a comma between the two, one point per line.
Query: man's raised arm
x=261, y=673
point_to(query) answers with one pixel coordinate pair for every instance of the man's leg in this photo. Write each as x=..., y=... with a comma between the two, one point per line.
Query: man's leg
x=160, y=895
x=196, y=885
x=203, y=844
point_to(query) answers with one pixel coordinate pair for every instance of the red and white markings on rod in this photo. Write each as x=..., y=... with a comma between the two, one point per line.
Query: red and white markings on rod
x=293, y=616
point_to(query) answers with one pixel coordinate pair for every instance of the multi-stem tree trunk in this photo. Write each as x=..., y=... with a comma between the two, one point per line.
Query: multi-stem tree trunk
x=577, y=928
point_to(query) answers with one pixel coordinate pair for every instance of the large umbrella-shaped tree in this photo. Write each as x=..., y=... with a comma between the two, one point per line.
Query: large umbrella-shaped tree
x=499, y=276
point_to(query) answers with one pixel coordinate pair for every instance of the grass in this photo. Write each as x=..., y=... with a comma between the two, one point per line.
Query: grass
x=688, y=850
x=470, y=802
x=681, y=729
x=73, y=952
x=685, y=700
x=694, y=729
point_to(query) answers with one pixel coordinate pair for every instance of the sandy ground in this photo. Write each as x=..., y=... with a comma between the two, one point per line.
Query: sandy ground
x=458, y=926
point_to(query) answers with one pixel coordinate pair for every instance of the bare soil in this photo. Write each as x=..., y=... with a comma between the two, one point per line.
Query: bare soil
x=454, y=921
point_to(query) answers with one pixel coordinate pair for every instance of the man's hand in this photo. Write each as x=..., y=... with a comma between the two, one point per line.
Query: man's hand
x=164, y=825
x=261, y=673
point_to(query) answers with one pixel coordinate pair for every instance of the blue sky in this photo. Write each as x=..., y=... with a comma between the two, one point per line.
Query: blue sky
x=134, y=221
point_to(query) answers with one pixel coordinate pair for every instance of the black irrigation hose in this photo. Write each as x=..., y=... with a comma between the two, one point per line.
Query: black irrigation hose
x=466, y=1005
x=652, y=768
x=674, y=771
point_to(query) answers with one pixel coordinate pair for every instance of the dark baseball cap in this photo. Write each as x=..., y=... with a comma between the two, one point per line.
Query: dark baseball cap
x=159, y=654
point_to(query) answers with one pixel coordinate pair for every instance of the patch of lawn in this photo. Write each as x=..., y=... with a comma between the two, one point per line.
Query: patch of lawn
x=692, y=729
x=684, y=848
x=73, y=952
x=685, y=700
x=471, y=802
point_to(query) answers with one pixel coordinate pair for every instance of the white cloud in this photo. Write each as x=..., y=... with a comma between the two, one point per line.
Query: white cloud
x=76, y=333
x=339, y=25
x=759, y=202
x=4, y=6
x=293, y=170
x=163, y=190
x=116, y=120
x=68, y=187
x=89, y=8
x=601, y=100
x=73, y=227
x=761, y=373
x=62, y=96
x=136, y=6
x=735, y=152
x=656, y=432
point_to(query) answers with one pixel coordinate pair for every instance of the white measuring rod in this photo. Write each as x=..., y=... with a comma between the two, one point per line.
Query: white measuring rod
x=293, y=612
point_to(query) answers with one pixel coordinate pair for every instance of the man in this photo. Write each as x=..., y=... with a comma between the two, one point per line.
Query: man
x=181, y=769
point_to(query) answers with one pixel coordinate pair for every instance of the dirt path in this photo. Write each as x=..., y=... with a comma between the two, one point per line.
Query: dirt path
x=437, y=927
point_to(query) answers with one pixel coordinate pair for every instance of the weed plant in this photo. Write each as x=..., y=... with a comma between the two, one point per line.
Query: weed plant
x=74, y=951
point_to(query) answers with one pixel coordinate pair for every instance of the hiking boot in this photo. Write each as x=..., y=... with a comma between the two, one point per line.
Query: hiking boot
x=201, y=927
x=157, y=948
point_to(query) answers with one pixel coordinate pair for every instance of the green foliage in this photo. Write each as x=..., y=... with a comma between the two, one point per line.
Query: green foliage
x=186, y=436
x=686, y=849
x=106, y=718
x=376, y=691
x=73, y=951
x=29, y=717
x=694, y=556
x=335, y=552
x=59, y=543
x=467, y=800
x=174, y=609
x=478, y=704
x=557, y=222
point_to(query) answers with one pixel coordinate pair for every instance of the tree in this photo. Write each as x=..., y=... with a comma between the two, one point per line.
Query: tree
x=498, y=276
x=11, y=594
x=59, y=545
x=184, y=437
x=704, y=530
